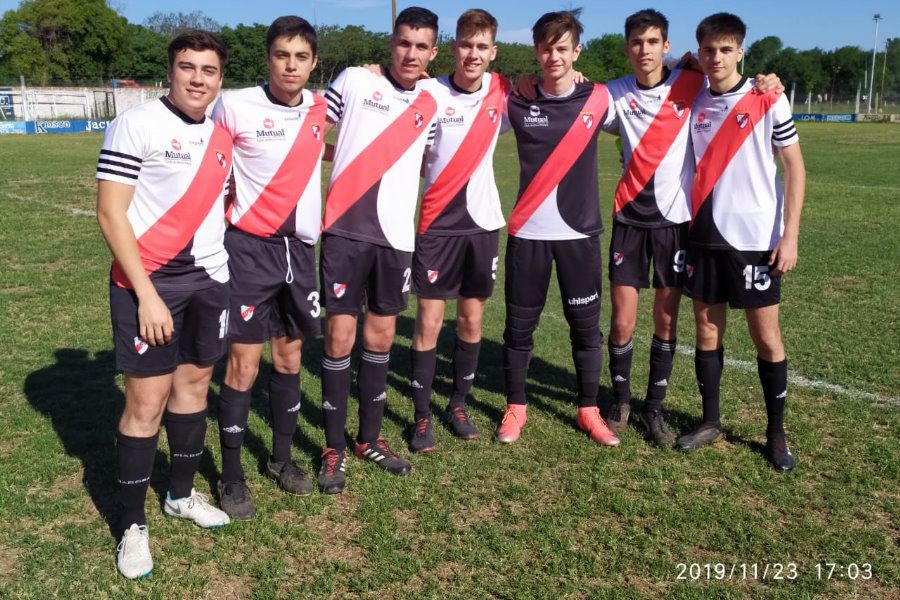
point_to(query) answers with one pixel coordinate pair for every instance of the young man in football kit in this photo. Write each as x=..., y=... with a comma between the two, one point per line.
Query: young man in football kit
x=744, y=229
x=163, y=171
x=556, y=219
x=275, y=217
x=368, y=236
x=651, y=210
x=456, y=250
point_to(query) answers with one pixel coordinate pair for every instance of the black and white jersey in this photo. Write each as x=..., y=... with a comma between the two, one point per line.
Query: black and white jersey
x=738, y=197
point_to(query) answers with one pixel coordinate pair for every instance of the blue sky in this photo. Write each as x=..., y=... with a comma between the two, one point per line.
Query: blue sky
x=827, y=23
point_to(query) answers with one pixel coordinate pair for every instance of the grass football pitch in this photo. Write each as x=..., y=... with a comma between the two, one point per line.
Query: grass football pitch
x=552, y=516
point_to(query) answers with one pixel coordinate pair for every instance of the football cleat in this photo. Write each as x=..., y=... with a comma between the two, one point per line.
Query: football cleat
x=422, y=436
x=196, y=508
x=134, y=560
x=235, y=500
x=702, y=436
x=513, y=421
x=290, y=477
x=657, y=429
x=617, y=419
x=458, y=420
x=379, y=453
x=332, y=473
x=590, y=421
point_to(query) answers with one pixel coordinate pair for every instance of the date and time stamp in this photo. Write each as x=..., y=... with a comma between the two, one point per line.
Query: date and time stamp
x=775, y=571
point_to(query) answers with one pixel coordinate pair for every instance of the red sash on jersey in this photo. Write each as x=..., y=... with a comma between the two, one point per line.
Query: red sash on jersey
x=281, y=194
x=673, y=116
x=372, y=163
x=171, y=233
x=468, y=156
x=736, y=128
x=561, y=159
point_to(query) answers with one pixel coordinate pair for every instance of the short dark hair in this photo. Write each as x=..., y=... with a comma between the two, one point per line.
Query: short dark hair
x=554, y=25
x=416, y=17
x=722, y=25
x=474, y=21
x=198, y=40
x=643, y=20
x=290, y=27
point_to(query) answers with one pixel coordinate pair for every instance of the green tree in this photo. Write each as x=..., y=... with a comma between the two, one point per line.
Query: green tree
x=348, y=46
x=62, y=40
x=246, y=54
x=514, y=60
x=762, y=54
x=144, y=57
x=172, y=23
x=603, y=58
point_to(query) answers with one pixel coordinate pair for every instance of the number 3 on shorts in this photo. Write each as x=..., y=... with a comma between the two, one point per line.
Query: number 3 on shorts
x=317, y=308
x=757, y=277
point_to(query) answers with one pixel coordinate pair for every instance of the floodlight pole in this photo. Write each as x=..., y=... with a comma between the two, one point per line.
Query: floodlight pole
x=875, y=18
x=883, y=69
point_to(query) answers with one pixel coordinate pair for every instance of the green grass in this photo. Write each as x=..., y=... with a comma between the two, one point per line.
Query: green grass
x=553, y=516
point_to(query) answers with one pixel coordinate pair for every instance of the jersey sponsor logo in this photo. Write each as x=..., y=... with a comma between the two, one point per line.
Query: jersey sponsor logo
x=176, y=145
x=140, y=346
x=339, y=289
x=376, y=96
x=375, y=103
x=450, y=120
x=450, y=111
x=266, y=134
x=432, y=275
x=583, y=300
x=233, y=429
x=177, y=156
x=618, y=258
x=634, y=109
x=268, y=123
x=247, y=312
x=588, y=119
x=702, y=124
x=535, y=119
x=743, y=119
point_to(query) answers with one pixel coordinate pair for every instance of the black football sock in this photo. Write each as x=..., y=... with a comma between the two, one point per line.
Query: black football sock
x=708, y=367
x=773, y=377
x=234, y=410
x=662, y=353
x=515, y=370
x=186, y=435
x=423, y=366
x=620, y=370
x=372, y=385
x=284, y=406
x=135, y=465
x=465, y=362
x=588, y=363
x=335, y=392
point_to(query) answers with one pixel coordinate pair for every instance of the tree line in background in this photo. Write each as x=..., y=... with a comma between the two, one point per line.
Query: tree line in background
x=57, y=42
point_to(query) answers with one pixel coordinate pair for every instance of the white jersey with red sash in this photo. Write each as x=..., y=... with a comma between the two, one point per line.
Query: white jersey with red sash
x=737, y=198
x=383, y=131
x=277, y=162
x=179, y=169
x=461, y=196
x=559, y=194
x=654, y=190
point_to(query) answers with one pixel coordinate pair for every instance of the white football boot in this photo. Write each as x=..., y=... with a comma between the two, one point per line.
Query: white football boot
x=196, y=508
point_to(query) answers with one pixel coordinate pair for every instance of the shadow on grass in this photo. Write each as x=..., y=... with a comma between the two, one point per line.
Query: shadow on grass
x=78, y=393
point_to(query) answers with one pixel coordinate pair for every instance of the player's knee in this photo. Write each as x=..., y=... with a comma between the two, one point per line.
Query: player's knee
x=143, y=413
x=430, y=327
x=621, y=329
x=769, y=345
x=468, y=326
x=286, y=362
x=521, y=323
x=241, y=373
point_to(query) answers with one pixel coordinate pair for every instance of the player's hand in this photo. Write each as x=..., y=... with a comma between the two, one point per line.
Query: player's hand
x=784, y=256
x=376, y=69
x=768, y=83
x=578, y=77
x=154, y=320
x=689, y=61
x=525, y=87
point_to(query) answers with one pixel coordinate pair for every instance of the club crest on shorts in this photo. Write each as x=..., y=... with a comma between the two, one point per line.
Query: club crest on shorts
x=140, y=346
x=268, y=123
x=418, y=120
x=618, y=258
x=492, y=114
x=221, y=158
x=743, y=119
x=317, y=132
x=432, y=275
x=588, y=119
x=679, y=107
x=339, y=289
x=247, y=312
x=690, y=270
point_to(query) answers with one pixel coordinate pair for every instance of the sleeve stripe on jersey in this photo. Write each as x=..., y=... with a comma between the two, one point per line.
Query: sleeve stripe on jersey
x=335, y=102
x=121, y=155
x=780, y=137
x=106, y=161
x=117, y=173
x=783, y=126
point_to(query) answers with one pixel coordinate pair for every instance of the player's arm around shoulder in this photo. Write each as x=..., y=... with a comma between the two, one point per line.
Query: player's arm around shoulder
x=784, y=255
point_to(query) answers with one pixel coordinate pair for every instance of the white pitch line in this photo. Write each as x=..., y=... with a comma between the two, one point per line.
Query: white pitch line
x=79, y=212
x=793, y=378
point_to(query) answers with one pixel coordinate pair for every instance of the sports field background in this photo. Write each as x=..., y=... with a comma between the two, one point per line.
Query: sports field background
x=552, y=516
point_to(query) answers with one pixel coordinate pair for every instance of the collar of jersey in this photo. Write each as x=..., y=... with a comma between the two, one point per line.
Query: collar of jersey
x=397, y=86
x=276, y=101
x=458, y=89
x=739, y=85
x=178, y=113
x=665, y=78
